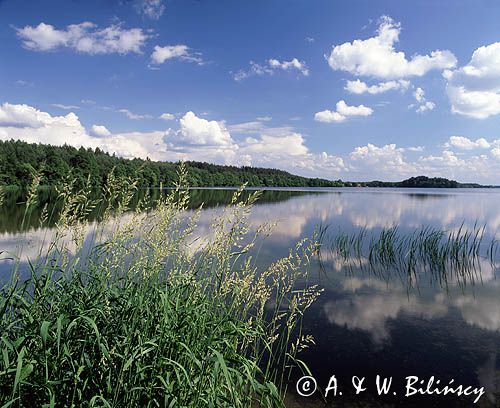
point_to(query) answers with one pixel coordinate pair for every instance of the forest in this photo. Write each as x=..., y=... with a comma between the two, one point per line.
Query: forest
x=20, y=161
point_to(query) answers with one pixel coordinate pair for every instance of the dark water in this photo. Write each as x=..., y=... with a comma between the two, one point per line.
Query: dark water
x=368, y=324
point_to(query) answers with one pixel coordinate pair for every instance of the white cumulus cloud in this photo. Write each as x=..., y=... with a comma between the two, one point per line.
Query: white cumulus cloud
x=360, y=87
x=167, y=116
x=199, y=131
x=169, y=52
x=258, y=144
x=270, y=67
x=24, y=122
x=30, y=124
x=275, y=145
x=465, y=143
x=100, y=131
x=22, y=116
x=474, y=89
x=343, y=111
x=85, y=38
x=290, y=65
x=377, y=56
x=389, y=155
x=422, y=105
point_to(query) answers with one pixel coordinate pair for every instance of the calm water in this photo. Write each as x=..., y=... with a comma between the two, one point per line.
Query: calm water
x=368, y=324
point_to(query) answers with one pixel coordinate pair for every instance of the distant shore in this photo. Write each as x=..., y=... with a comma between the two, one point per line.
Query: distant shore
x=21, y=163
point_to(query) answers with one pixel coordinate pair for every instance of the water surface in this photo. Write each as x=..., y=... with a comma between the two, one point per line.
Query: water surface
x=368, y=324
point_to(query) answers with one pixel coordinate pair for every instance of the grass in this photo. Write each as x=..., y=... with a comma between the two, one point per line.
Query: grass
x=139, y=311
x=456, y=254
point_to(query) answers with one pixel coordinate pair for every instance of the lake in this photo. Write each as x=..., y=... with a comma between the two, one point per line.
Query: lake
x=369, y=322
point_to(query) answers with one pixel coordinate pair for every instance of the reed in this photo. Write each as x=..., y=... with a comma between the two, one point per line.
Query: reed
x=456, y=254
x=136, y=310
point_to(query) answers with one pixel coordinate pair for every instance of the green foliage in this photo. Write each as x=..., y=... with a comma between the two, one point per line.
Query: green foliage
x=139, y=310
x=18, y=160
x=419, y=182
x=423, y=181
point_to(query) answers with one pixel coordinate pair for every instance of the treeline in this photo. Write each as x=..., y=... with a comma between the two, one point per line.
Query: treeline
x=420, y=182
x=19, y=161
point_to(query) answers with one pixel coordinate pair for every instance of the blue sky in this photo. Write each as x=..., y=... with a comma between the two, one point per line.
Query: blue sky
x=356, y=90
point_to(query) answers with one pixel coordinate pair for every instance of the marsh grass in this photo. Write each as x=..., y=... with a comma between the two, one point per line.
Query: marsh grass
x=456, y=255
x=141, y=312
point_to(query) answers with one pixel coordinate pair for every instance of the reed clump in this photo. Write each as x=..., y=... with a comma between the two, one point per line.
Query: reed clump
x=456, y=255
x=137, y=310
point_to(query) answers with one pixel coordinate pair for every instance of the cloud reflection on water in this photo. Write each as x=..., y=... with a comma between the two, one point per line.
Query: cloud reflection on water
x=355, y=299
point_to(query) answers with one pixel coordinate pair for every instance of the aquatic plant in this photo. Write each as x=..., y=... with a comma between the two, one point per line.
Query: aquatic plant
x=456, y=254
x=137, y=310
